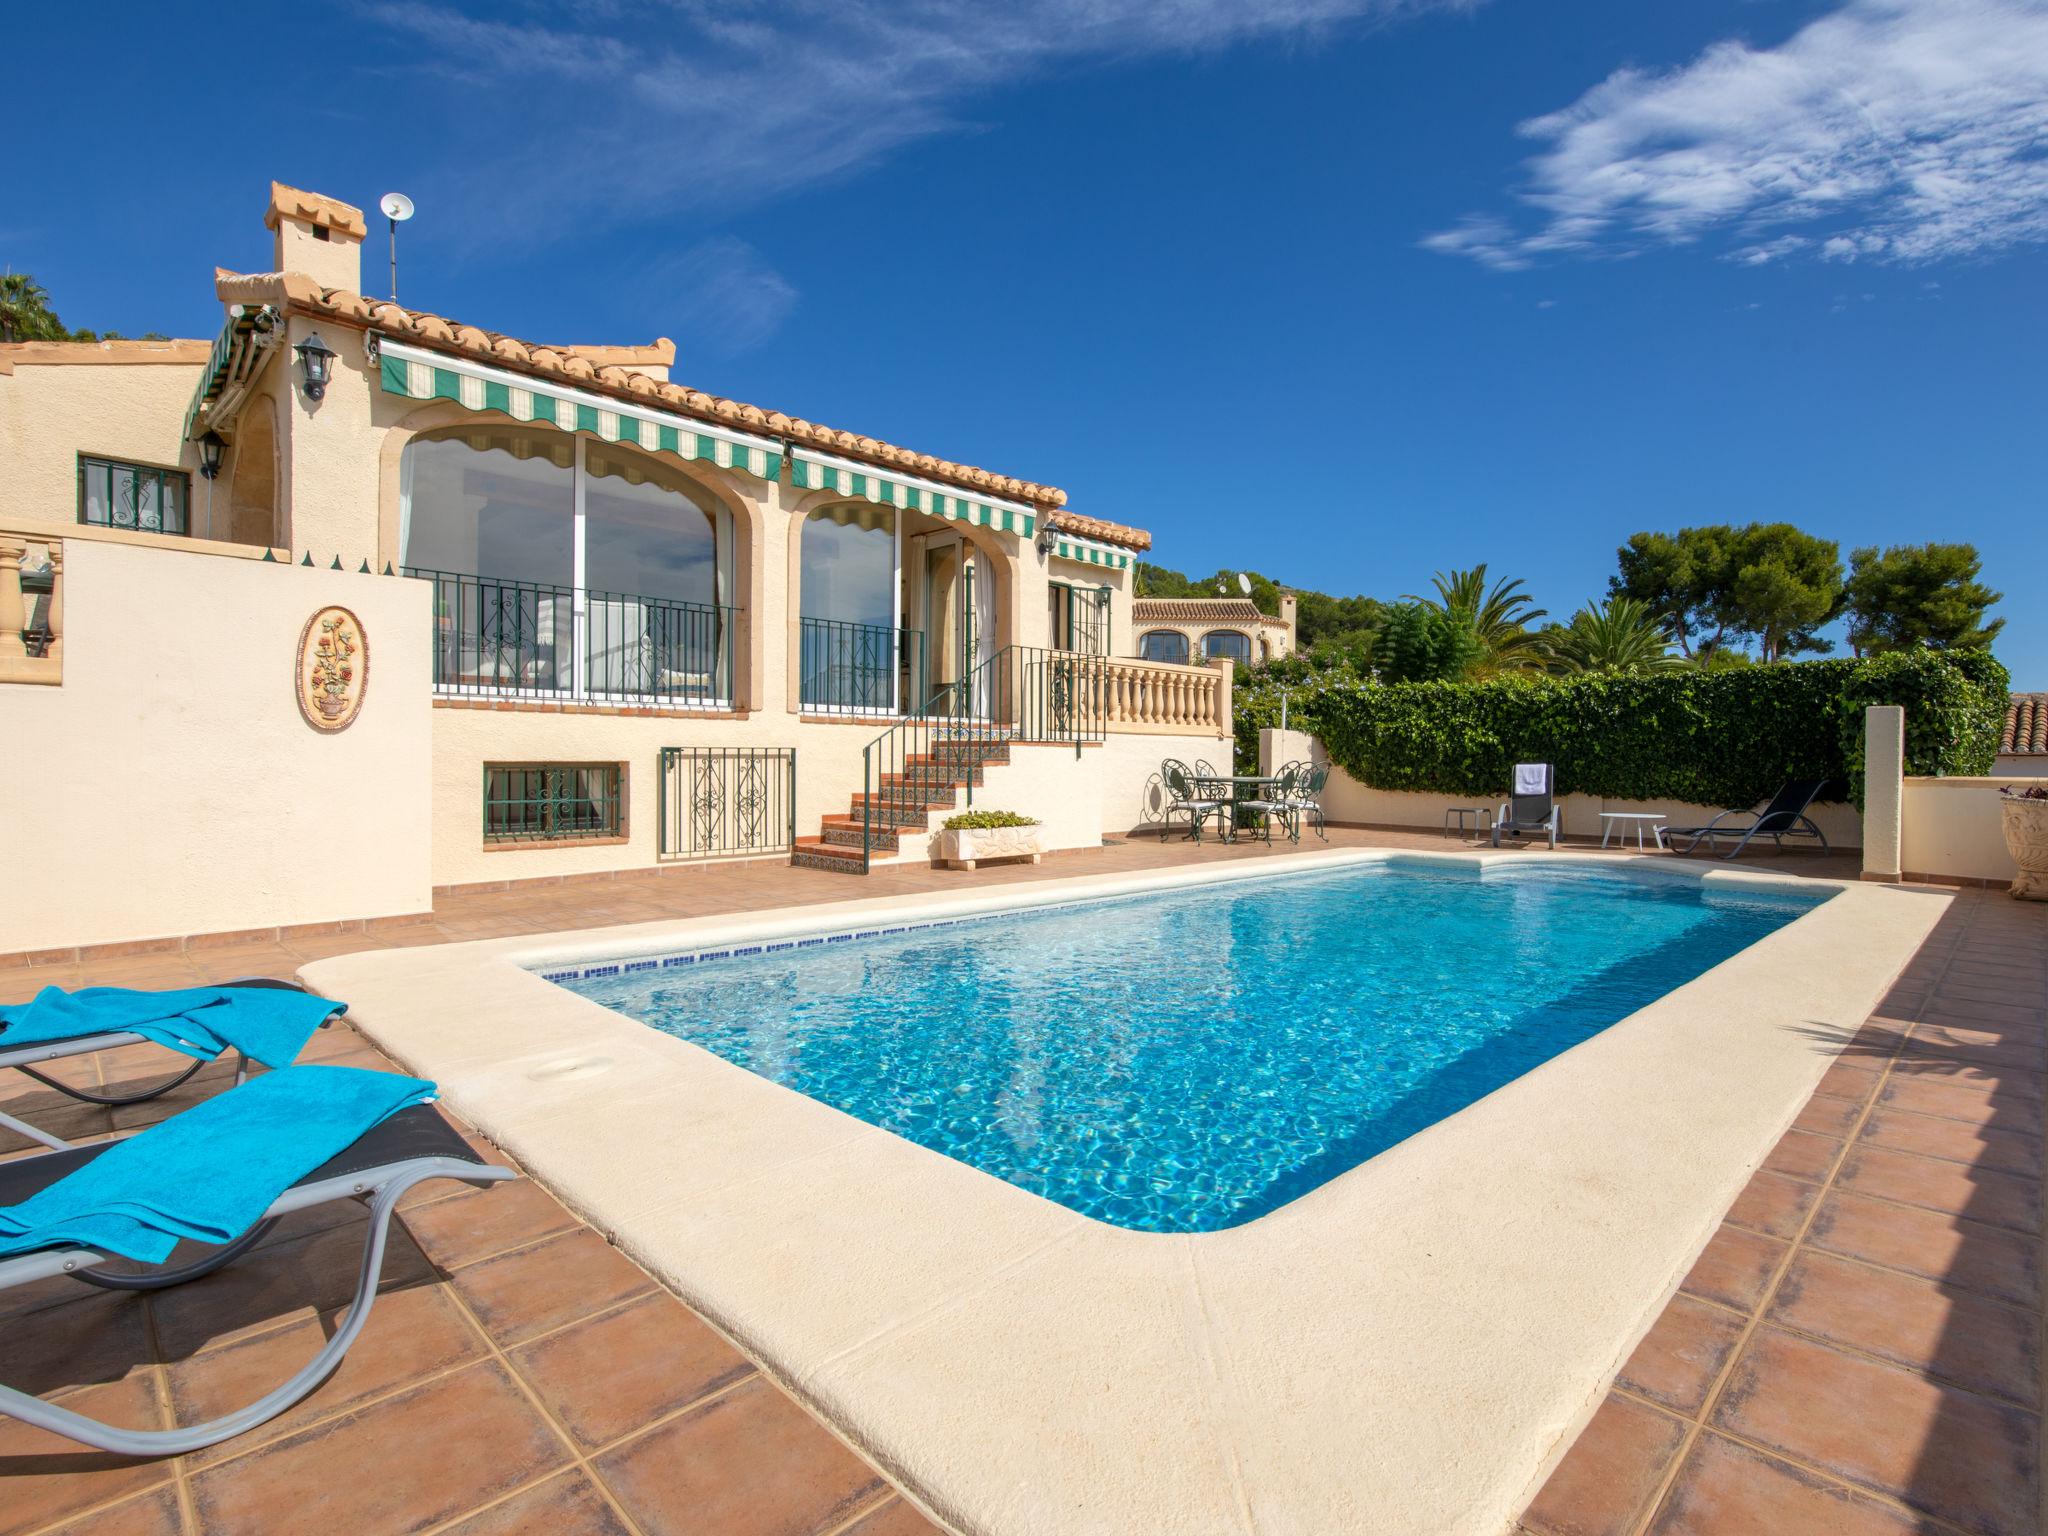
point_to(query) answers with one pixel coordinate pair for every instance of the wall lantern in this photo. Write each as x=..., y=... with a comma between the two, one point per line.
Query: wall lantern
x=316, y=362
x=1047, y=537
x=210, y=447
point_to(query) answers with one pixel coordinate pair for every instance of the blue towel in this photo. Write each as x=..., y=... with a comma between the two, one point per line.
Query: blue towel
x=266, y=1024
x=210, y=1173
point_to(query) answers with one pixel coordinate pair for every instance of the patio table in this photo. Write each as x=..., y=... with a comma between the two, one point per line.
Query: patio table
x=1235, y=788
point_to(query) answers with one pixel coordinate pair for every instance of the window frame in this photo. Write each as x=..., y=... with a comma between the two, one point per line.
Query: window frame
x=619, y=830
x=1250, y=650
x=1187, y=648
x=165, y=475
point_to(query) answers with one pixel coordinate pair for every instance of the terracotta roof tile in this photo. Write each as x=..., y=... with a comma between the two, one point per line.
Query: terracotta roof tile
x=323, y=212
x=2026, y=725
x=1199, y=610
x=1097, y=528
x=575, y=365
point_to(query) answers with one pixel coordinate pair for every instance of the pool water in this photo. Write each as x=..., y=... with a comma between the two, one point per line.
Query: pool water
x=1187, y=1061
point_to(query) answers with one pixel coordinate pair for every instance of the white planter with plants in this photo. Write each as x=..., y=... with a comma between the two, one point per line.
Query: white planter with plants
x=2026, y=838
x=975, y=837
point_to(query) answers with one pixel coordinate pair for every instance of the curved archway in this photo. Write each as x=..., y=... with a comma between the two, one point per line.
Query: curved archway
x=1232, y=643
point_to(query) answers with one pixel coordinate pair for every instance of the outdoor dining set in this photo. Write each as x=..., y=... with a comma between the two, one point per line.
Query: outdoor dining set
x=1238, y=801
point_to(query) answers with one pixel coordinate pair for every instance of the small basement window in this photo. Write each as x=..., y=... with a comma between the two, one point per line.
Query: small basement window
x=141, y=497
x=528, y=803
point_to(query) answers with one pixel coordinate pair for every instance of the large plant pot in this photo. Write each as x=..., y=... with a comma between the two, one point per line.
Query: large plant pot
x=2026, y=839
x=965, y=847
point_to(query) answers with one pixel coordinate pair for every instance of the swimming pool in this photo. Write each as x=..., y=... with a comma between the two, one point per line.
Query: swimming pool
x=1188, y=1061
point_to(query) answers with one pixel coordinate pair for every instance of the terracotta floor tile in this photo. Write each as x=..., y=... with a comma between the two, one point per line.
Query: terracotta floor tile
x=1725, y=1489
x=2000, y=1199
x=1956, y=1101
x=1960, y=1457
x=1850, y=1078
x=45, y=1478
x=746, y=1464
x=387, y=1469
x=899, y=1517
x=285, y=1282
x=1956, y=1140
x=518, y=1295
x=1803, y=1155
x=1991, y=1261
x=613, y=1374
x=1773, y=1204
x=1734, y=1267
x=414, y=1332
x=2017, y=1046
x=2020, y=1082
x=100, y=1336
x=1682, y=1354
x=1958, y=1336
x=480, y=1222
x=1609, y=1473
x=567, y=1504
x=1828, y=1116
x=153, y=1514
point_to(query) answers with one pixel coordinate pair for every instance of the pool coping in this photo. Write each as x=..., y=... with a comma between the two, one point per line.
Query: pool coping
x=1406, y=1348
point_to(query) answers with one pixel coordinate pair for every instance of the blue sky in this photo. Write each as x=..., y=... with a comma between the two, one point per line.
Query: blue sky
x=1345, y=290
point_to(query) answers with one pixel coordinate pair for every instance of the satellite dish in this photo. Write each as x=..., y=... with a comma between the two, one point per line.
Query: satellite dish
x=396, y=207
x=1244, y=584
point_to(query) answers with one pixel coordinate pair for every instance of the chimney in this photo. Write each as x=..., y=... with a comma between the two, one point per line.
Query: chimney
x=1287, y=607
x=317, y=236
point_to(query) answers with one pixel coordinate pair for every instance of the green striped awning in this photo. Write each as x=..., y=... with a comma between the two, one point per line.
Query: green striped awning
x=238, y=351
x=420, y=375
x=814, y=472
x=1091, y=553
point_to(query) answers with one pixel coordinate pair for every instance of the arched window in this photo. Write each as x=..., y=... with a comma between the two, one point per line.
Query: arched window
x=848, y=640
x=1227, y=642
x=1168, y=645
x=489, y=514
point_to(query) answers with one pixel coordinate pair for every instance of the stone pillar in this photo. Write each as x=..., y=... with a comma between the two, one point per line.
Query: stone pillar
x=1226, y=677
x=1884, y=766
x=13, y=613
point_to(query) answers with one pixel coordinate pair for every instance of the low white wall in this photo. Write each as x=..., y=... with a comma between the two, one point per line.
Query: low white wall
x=169, y=784
x=1347, y=800
x=1953, y=829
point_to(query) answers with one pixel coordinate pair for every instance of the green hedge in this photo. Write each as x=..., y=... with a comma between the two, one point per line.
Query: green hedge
x=1712, y=738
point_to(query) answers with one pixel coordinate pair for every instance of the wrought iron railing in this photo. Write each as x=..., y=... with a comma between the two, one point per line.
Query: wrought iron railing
x=1020, y=694
x=859, y=669
x=552, y=802
x=721, y=801
x=520, y=638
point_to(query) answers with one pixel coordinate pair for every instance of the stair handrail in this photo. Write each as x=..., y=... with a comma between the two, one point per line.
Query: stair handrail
x=1019, y=693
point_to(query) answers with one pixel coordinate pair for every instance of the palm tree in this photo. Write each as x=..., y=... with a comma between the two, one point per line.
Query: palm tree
x=25, y=313
x=1619, y=635
x=1499, y=619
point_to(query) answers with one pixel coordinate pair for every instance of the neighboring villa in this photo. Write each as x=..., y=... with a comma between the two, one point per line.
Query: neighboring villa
x=572, y=618
x=1178, y=630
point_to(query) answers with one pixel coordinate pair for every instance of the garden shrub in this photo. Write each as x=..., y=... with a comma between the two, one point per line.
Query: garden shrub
x=986, y=821
x=1726, y=738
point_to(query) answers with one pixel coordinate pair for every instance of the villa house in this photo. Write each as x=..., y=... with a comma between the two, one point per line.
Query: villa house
x=353, y=602
x=1177, y=630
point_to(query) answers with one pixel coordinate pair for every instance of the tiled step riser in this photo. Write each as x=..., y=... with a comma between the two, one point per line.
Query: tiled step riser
x=807, y=858
x=885, y=838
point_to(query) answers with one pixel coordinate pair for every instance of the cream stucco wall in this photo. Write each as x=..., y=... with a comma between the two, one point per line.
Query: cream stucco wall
x=1347, y=800
x=2021, y=765
x=1953, y=829
x=170, y=785
x=117, y=400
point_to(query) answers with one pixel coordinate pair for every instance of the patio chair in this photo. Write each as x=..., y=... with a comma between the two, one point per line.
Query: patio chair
x=352, y=1140
x=1276, y=804
x=1307, y=798
x=1784, y=817
x=25, y=1058
x=1184, y=798
x=1531, y=805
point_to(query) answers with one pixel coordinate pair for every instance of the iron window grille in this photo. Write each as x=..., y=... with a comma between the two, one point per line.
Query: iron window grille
x=140, y=497
x=553, y=802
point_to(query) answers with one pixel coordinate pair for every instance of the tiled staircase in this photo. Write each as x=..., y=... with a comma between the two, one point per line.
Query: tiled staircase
x=929, y=785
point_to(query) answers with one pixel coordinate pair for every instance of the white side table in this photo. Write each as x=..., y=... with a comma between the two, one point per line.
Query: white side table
x=1654, y=820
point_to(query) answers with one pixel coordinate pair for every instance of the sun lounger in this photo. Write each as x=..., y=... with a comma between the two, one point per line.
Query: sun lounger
x=221, y=1174
x=27, y=1039
x=1531, y=805
x=1784, y=817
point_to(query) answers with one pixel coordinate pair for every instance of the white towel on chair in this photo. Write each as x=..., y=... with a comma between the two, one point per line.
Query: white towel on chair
x=1532, y=778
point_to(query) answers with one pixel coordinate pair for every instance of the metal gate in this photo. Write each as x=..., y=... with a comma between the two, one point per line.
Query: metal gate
x=720, y=802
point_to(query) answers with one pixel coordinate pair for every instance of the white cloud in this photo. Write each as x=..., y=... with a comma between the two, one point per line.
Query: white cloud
x=1894, y=130
x=721, y=293
x=655, y=106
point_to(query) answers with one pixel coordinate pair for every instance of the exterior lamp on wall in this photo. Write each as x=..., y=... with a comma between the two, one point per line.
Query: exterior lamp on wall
x=1046, y=538
x=316, y=362
x=210, y=447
